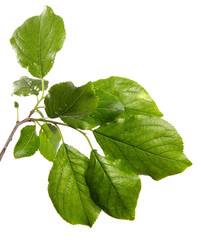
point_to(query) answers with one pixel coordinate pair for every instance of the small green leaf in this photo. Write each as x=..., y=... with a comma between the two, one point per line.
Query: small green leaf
x=28, y=86
x=66, y=100
x=149, y=144
x=49, y=141
x=107, y=110
x=16, y=104
x=112, y=189
x=37, y=41
x=134, y=97
x=40, y=113
x=68, y=189
x=28, y=142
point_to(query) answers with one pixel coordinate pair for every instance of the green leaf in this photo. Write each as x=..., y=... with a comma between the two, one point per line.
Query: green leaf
x=149, y=144
x=28, y=86
x=66, y=100
x=28, y=142
x=40, y=113
x=114, y=190
x=49, y=141
x=16, y=104
x=68, y=189
x=86, y=123
x=107, y=110
x=134, y=97
x=37, y=41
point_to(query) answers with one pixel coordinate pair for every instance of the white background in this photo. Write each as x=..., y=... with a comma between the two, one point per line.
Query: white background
x=157, y=44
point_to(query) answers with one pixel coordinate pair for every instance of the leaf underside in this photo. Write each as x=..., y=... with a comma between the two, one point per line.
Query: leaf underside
x=28, y=86
x=37, y=41
x=68, y=189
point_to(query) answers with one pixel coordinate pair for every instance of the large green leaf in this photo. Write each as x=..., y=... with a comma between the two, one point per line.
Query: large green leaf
x=28, y=86
x=68, y=189
x=66, y=100
x=37, y=41
x=113, y=189
x=49, y=141
x=107, y=110
x=149, y=144
x=134, y=97
x=28, y=142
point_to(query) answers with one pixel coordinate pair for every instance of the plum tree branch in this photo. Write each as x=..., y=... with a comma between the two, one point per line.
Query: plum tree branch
x=18, y=123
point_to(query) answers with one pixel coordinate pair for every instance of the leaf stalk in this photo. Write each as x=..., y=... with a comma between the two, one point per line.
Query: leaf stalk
x=42, y=95
x=63, y=124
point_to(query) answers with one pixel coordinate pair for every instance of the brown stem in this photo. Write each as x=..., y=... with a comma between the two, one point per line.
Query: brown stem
x=28, y=119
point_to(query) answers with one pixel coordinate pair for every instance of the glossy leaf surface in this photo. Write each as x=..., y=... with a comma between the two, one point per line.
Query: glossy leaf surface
x=149, y=144
x=66, y=100
x=107, y=110
x=28, y=142
x=49, y=141
x=134, y=97
x=37, y=41
x=68, y=189
x=112, y=189
x=125, y=120
x=28, y=86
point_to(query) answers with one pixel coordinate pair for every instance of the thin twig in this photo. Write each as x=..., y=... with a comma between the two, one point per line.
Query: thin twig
x=63, y=124
x=18, y=123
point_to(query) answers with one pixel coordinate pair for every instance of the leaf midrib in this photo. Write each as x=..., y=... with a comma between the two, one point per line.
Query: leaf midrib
x=29, y=139
x=39, y=40
x=102, y=166
x=72, y=104
x=147, y=152
x=77, y=185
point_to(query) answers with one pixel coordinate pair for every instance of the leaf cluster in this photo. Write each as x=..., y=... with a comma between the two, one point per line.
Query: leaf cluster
x=124, y=119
